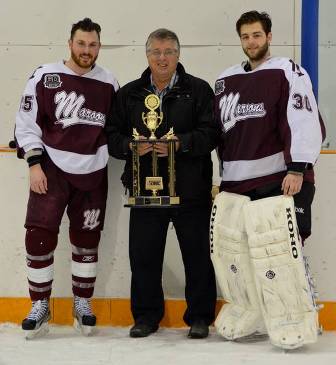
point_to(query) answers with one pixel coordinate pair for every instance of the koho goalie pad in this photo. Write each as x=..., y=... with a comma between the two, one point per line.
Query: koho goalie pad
x=241, y=315
x=285, y=295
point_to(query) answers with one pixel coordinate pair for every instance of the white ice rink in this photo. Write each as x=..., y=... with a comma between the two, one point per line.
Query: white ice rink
x=168, y=346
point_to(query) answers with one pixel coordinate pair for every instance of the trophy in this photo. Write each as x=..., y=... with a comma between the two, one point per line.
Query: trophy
x=153, y=183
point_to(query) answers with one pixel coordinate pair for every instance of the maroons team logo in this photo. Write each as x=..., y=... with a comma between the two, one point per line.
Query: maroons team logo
x=231, y=111
x=91, y=219
x=52, y=81
x=70, y=111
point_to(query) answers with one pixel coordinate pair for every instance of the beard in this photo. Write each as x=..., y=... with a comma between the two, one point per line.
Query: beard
x=261, y=53
x=81, y=63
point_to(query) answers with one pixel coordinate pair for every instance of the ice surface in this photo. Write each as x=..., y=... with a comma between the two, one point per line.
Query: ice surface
x=168, y=346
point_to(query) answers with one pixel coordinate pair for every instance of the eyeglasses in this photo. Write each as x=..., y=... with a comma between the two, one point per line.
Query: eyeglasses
x=167, y=53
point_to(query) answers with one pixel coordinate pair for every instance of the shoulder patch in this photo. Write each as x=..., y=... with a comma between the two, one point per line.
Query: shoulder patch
x=52, y=81
x=219, y=87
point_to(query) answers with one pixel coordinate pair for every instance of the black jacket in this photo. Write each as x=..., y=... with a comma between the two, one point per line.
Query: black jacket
x=188, y=107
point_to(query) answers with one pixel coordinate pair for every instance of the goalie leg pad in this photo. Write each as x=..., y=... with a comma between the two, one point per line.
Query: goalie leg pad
x=276, y=254
x=230, y=256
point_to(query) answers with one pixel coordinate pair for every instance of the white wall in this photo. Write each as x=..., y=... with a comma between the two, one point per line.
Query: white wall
x=37, y=34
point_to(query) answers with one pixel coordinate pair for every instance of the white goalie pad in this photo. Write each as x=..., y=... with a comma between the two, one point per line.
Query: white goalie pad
x=241, y=316
x=284, y=292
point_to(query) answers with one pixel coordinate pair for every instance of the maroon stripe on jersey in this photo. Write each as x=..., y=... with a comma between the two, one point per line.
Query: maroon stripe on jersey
x=240, y=187
x=90, y=182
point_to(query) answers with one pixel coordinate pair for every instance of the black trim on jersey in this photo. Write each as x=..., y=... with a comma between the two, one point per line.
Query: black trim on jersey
x=299, y=166
x=247, y=66
x=33, y=157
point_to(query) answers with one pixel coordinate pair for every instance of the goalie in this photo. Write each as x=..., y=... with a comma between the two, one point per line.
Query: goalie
x=272, y=136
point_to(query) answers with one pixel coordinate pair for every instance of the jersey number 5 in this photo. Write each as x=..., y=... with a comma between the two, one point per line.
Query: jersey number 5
x=27, y=103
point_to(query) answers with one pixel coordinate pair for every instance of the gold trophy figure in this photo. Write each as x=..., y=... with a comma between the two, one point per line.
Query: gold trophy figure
x=152, y=121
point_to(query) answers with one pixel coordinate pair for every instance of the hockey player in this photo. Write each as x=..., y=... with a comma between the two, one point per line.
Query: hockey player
x=272, y=135
x=59, y=132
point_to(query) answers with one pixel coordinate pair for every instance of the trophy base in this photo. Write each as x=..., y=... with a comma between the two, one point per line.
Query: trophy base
x=153, y=202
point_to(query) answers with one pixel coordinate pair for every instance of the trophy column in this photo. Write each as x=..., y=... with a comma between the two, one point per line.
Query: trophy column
x=136, y=169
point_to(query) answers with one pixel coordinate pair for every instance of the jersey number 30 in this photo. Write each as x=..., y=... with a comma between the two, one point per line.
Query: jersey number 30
x=301, y=102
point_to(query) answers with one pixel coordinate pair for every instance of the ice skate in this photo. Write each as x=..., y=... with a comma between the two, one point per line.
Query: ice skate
x=84, y=319
x=36, y=323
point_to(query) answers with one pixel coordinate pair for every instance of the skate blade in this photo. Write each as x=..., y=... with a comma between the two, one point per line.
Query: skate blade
x=40, y=332
x=83, y=330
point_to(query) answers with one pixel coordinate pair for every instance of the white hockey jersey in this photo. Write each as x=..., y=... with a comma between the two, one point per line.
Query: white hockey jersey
x=64, y=114
x=270, y=119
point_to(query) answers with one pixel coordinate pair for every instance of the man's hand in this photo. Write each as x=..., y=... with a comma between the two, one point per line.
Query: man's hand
x=144, y=147
x=38, y=180
x=162, y=148
x=292, y=184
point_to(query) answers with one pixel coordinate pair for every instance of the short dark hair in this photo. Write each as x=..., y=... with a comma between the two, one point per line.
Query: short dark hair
x=162, y=34
x=253, y=17
x=86, y=25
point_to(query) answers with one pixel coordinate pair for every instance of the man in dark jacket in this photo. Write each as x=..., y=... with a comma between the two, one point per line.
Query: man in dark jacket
x=187, y=105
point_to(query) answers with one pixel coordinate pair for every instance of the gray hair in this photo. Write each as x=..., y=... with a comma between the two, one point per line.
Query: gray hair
x=162, y=34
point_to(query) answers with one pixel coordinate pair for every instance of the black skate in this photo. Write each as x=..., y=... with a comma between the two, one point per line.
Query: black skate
x=84, y=319
x=36, y=323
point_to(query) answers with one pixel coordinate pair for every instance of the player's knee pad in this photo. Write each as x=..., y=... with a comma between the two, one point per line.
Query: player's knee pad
x=84, y=253
x=40, y=246
x=85, y=239
x=40, y=241
x=230, y=257
x=276, y=254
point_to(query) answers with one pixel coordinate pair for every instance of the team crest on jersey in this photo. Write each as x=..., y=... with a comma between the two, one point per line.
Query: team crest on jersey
x=69, y=111
x=91, y=219
x=232, y=112
x=52, y=81
x=219, y=87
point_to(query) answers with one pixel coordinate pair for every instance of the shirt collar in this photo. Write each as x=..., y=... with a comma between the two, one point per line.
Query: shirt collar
x=171, y=84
